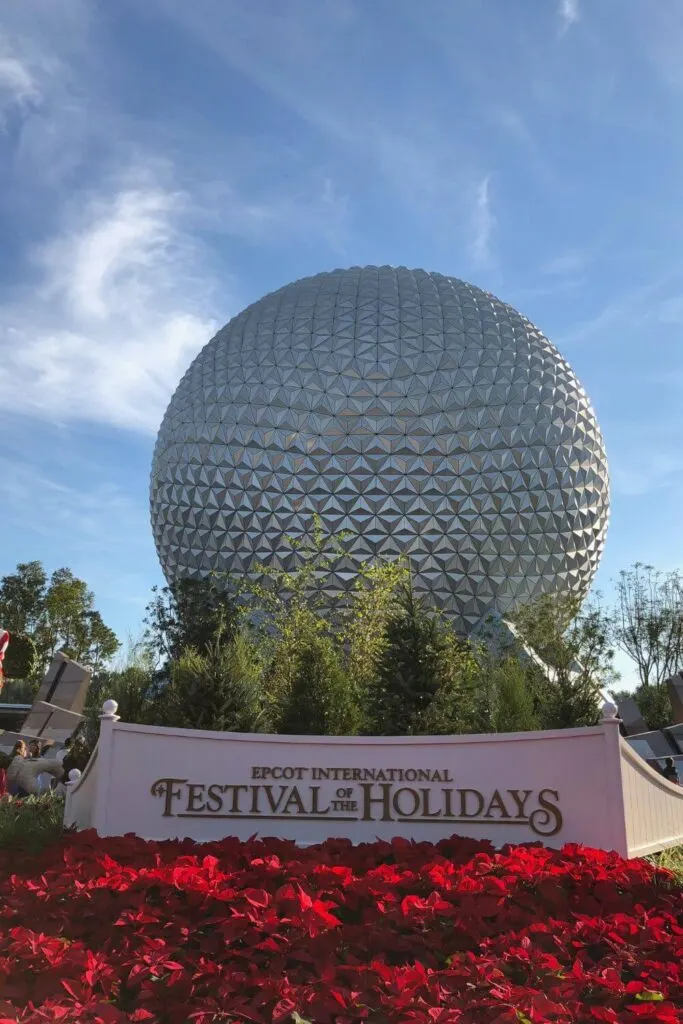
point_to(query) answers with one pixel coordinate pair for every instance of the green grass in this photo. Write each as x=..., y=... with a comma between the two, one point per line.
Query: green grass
x=671, y=859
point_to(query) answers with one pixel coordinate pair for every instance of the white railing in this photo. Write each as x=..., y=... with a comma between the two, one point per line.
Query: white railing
x=83, y=795
x=653, y=807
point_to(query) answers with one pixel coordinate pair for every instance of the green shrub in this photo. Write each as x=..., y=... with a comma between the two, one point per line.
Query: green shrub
x=319, y=700
x=28, y=825
x=21, y=660
x=217, y=689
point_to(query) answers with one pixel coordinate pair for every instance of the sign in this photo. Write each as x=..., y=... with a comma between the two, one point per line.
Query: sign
x=553, y=787
x=341, y=794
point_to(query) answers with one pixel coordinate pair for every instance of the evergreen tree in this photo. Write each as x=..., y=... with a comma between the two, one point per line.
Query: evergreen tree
x=424, y=680
x=319, y=700
x=513, y=698
x=219, y=689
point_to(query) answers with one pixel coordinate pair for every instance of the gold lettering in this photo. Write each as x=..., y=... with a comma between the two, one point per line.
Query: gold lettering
x=167, y=789
x=195, y=792
x=546, y=820
x=214, y=800
x=464, y=813
x=520, y=801
x=315, y=809
x=448, y=809
x=369, y=800
x=255, y=790
x=274, y=805
x=496, y=803
x=414, y=796
x=426, y=813
x=295, y=799
x=236, y=790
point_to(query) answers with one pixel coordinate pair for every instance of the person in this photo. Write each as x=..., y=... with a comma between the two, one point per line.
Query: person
x=64, y=752
x=670, y=772
x=19, y=751
x=44, y=780
x=61, y=757
x=23, y=773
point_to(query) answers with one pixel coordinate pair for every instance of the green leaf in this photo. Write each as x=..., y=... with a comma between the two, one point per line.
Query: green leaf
x=649, y=997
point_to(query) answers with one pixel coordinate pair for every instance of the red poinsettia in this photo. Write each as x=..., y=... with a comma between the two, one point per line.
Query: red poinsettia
x=119, y=930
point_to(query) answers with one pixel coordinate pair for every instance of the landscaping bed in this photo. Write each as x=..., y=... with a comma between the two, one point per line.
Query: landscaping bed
x=123, y=930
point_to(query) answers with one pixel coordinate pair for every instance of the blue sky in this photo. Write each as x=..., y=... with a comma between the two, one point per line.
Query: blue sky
x=163, y=164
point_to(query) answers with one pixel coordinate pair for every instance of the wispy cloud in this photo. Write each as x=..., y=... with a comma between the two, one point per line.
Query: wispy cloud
x=568, y=13
x=100, y=516
x=565, y=264
x=17, y=84
x=483, y=224
x=644, y=471
x=115, y=315
x=124, y=295
x=295, y=55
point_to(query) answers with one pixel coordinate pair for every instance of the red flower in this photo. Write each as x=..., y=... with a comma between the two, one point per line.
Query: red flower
x=119, y=930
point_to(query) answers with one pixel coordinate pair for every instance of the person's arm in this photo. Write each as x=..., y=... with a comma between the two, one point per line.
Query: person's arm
x=49, y=766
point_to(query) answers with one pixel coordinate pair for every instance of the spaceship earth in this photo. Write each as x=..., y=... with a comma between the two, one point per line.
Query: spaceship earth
x=413, y=412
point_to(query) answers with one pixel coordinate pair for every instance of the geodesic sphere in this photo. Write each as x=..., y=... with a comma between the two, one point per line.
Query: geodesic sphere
x=417, y=414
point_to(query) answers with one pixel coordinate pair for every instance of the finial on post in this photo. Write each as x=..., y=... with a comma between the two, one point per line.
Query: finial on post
x=109, y=709
x=610, y=714
x=74, y=777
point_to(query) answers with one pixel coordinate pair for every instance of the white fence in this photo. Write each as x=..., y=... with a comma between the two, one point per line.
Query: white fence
x=570, y=785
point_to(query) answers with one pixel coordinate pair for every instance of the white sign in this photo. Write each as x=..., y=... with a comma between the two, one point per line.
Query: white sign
x=554, y=787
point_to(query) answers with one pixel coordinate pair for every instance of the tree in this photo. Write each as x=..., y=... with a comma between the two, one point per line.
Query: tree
x=22, y=598
x=102, y=643
x=188, y=615
x=653, y=702
x=319, y=700
x=407, y=676
x=425, y=671
x=648, y=624
x=57, y=613
x=219, y=688
x=514, y=707
x=132, y=687
x=461, y=701
x=578, y=656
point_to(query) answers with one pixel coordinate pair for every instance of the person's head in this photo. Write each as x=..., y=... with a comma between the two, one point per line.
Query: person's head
x=669, y=762
x=19, y=749
x=68, y=743
x=34, y=749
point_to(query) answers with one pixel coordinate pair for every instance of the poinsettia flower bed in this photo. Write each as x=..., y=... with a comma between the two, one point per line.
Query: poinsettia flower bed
x=121, y=930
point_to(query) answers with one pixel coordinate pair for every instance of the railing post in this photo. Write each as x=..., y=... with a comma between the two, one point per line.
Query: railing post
x=69, y=785
x=105, y=750
x=616, y=811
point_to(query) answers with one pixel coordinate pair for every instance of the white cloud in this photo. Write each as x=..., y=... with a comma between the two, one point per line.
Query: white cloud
x=568, y=12
x=483, y=223
x=564, y=264
x=17, y=84
x=116, y=315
